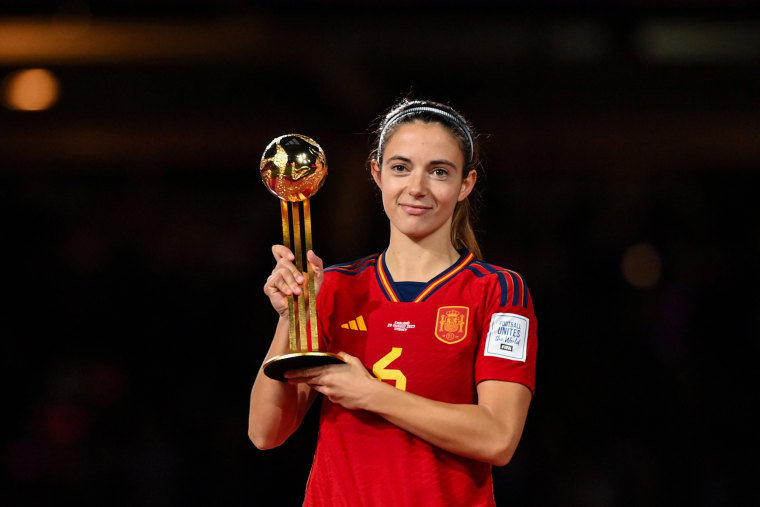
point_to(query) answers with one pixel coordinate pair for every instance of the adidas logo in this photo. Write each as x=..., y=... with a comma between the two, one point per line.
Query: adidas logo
x=357, y=324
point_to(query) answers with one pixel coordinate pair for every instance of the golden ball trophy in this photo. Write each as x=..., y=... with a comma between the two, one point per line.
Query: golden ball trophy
x=293, y=167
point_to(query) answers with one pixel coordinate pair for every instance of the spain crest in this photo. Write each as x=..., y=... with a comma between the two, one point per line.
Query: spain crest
x=451, y=323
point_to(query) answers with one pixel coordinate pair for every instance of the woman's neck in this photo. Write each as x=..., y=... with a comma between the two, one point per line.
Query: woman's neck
x=409, y=260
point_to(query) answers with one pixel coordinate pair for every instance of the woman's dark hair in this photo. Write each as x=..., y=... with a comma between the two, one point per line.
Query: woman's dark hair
x=426, y=111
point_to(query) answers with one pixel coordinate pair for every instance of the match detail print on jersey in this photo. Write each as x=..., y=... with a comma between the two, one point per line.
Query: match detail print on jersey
x=507, y=336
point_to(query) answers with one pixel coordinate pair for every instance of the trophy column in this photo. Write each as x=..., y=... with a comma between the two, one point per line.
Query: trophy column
x=293, y=167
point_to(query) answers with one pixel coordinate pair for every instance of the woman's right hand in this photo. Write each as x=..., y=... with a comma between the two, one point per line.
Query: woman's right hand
x=286, y=279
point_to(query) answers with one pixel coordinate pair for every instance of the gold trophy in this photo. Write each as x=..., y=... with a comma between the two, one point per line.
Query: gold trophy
x=293, y=167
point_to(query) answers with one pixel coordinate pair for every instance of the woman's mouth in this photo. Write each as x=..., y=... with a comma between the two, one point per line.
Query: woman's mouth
x=414, y=209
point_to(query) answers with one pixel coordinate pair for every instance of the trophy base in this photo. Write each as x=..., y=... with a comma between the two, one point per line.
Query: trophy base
x=276, y=367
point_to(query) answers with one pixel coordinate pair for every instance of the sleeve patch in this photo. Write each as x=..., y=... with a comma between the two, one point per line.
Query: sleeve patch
x=507, y=336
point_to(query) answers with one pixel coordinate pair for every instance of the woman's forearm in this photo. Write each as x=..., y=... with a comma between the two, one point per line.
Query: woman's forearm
x=276, y=408
x=488, y=431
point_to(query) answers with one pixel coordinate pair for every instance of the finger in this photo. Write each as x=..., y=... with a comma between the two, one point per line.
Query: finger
x=315, y=260
x=281, y=281
x=301, y=375
x=281, y=251
x=309, y=381
x=290, y=274
x=317, y=266
x=319, y=388
x=309, y=373
x=348, y=358
x=356, y=362
x=270, y=287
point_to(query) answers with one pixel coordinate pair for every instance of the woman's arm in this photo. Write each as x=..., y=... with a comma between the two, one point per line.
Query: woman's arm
x=487, y=431
x=277, y=408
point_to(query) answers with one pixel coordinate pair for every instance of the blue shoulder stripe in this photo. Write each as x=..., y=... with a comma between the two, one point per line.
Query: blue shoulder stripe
x=354, y=267
x=519, y=288
x=506, y=278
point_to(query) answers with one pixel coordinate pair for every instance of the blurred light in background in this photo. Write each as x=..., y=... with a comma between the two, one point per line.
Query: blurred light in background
x=80, y=40
x=30, y=90
x=642, y=266
x=685, y=40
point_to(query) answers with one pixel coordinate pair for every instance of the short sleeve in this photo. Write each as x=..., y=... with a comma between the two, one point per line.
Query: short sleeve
x=508, y=337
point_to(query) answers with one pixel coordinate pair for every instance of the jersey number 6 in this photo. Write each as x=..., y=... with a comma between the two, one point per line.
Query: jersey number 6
x=381, y=371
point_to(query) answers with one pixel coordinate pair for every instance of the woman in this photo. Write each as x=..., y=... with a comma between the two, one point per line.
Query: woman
x=451, y=339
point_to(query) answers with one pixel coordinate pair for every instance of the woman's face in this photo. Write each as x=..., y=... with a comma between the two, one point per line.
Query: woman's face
x=421, y=179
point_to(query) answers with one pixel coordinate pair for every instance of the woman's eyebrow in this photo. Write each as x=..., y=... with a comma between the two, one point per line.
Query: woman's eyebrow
x=442, y=161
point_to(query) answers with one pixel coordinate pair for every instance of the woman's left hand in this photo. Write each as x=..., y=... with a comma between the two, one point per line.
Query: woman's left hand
x=345, y=384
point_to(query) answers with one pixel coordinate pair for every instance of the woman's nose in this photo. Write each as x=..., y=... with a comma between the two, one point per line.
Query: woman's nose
x=417, y=183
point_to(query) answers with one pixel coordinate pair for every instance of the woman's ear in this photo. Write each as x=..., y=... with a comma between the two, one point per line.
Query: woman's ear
x=375, y=169
x=468, y=183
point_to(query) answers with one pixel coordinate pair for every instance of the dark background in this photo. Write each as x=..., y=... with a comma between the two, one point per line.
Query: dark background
x=136, y=233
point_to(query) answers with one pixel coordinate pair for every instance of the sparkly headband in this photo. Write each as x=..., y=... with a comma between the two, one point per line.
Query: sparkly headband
x=418, y=109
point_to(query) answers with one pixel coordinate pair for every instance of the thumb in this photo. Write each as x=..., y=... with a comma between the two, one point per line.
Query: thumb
x=348, y=358
x=318, y=266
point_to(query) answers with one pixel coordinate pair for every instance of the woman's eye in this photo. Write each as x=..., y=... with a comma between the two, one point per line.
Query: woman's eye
x=398, y=168
x=441, y=173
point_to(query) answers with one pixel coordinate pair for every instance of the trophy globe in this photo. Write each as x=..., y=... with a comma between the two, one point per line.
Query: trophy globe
x=293, y=167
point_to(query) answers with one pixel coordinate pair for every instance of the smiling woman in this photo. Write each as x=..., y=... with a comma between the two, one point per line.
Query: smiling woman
x=445, y=117
x=422, y=180
x=451, y=338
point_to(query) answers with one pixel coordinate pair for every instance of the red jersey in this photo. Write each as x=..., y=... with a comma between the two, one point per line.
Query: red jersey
x=473, y=322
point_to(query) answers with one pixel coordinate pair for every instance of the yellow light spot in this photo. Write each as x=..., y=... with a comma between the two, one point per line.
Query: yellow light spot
x=642, y=265
x=30, y=90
